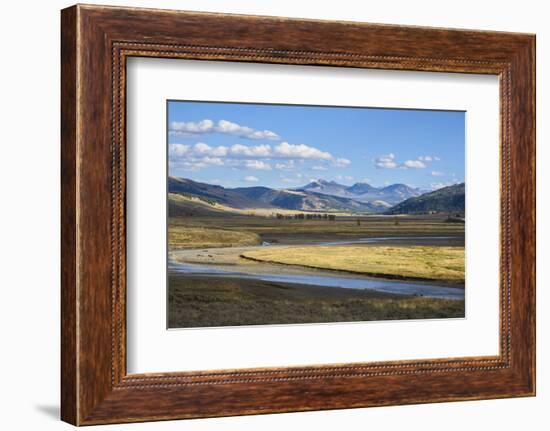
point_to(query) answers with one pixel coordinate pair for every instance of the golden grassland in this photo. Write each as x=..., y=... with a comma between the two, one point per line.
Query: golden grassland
x=414, y=262
x=199, y=237
x=203, y=302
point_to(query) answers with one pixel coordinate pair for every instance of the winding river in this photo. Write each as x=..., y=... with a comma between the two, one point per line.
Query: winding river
x=316, y=277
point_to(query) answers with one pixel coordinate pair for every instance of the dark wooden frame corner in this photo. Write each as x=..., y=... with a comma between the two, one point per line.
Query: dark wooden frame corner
x=95, y=43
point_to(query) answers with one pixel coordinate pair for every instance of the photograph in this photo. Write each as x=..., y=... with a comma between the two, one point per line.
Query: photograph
x=293, y=214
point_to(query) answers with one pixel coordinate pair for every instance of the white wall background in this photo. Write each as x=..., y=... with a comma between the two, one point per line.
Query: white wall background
x=29, y=225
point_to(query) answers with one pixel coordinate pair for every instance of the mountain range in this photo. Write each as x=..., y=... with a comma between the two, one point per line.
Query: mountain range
x=265, y=197
x=319, y=195
x=364, y=192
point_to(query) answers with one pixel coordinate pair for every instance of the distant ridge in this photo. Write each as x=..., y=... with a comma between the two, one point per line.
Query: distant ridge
x=444, y=200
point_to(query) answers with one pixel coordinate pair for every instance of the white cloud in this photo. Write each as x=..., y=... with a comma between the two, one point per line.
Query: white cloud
x=341, y=162
x=240, y=150
x=182, y=128
x=285, y=166
x=196, y=163
x=231, y=128
x=386, y=161
x=257, y=165
x=283, y=156
x=198, y=150
x=251, y=179
x=429, y=158
x=344, y=177
x=178, y=149
x=212, y=161
x=205, y=149
x=436, y=173
x=202, y=148
x=219, y=151
x=414, y=164
x=300, y=151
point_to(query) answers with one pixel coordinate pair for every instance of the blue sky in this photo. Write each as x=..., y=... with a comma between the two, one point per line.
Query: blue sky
x=286, y=146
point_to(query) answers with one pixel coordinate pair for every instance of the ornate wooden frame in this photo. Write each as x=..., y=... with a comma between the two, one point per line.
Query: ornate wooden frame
x=96, y=41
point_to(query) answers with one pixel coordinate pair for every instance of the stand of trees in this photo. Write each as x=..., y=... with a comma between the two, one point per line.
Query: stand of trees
x=302, y=216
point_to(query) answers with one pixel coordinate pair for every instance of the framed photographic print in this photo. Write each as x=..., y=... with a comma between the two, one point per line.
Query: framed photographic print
x=291, y=237
x=266, y=215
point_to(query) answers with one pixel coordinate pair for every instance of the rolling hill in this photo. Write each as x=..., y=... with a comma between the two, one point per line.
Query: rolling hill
x=444, y=200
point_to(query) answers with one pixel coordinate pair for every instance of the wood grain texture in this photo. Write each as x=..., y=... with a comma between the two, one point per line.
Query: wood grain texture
x=69, y=397
x=96, y=41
